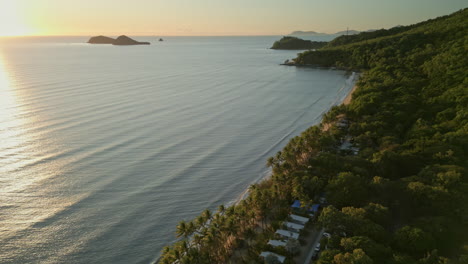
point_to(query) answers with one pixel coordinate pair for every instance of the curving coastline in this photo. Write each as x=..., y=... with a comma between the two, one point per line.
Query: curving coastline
x=245, y=196
x=345, y=101
x=349, y=97
x=390, y=189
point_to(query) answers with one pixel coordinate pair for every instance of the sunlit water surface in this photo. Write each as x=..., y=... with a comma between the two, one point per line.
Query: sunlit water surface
x=104, y=149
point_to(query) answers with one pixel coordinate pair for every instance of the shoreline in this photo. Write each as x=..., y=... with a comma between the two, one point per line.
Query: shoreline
x=336, y=160
x=268, y=175
x=244, y=194
x=349, y=97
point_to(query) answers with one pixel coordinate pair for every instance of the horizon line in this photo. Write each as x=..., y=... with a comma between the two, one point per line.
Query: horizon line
x=154, y=35
x=176, y=35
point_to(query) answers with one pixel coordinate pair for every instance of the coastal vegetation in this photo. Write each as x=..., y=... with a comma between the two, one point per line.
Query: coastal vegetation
x=315, y=34
x=294, y=43
x=392, y=163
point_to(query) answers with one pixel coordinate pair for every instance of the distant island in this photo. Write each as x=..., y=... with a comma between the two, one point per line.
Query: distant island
x=101, y=40
x=293, y=43
x=313, y=33
x=120, y=41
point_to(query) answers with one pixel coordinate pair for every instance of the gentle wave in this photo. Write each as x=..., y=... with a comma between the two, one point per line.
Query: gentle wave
x=104, y=150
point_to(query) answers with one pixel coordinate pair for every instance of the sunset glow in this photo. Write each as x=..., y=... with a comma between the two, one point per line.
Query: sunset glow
x=11, y=20
x=209, y=17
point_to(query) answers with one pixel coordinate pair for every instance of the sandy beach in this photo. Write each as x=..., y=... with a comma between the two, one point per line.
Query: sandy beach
x=348, y=98
x=345, y=101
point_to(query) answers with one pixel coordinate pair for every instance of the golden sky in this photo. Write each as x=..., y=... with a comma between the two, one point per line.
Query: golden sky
x=211, y=17
x=12, y=20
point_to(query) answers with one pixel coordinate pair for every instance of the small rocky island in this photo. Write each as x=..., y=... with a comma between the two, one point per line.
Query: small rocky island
x=293, y=43
x=120, y=41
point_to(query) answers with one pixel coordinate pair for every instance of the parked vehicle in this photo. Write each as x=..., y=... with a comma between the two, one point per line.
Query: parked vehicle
x=317, y=247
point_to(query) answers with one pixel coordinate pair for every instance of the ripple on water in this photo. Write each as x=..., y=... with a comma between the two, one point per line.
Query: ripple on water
x=105, y=149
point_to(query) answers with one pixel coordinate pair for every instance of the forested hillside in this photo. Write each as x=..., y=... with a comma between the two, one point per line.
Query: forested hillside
x=293, y=43
x=403, y=197
x=392, y=163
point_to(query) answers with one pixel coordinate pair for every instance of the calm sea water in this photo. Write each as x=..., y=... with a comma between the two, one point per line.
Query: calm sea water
x=104, y=149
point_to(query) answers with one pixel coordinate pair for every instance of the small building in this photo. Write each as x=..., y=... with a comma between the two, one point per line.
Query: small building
x=348, y=146
x=279, y=257
x=293, y=226
x=276, y=243
x=287, y=233
x=313, y=209
x=299, y=219
x=296, y=204
x=343, y=123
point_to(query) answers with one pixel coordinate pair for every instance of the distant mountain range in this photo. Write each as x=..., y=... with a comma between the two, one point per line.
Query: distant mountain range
x=313, y=33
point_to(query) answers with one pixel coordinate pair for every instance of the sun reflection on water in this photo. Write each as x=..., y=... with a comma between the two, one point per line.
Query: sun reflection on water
x=34, y=192
x=8, y=115
x=18, y=147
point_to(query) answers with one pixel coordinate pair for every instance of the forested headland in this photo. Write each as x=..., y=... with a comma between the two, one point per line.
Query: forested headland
x=294, y=43
x=397, y=193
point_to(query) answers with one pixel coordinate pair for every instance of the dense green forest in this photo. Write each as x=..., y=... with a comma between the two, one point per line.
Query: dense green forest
x=293, y=43
x=402, y=198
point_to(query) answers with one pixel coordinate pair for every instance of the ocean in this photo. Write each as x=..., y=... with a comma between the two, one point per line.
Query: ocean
x=104, y=149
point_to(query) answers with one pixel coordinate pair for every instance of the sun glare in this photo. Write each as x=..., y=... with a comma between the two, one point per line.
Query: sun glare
x=11, y=21
x=7, y=100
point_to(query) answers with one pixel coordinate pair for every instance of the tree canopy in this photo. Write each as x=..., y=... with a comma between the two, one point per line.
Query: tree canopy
x=401, y=197
x=294, y=43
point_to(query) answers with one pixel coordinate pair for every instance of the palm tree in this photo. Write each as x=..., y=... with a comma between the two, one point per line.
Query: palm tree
x=230, y=211
x=168, y=256
x=271, y=161
x=182, y=230
x=197, y=240
x=176, y=253
x=207, y=214
x=200, y=221
x=208, y=241
x=191, y=228
x=221, y=208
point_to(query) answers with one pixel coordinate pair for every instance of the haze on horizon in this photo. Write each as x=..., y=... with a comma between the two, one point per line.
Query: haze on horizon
x=211, y=17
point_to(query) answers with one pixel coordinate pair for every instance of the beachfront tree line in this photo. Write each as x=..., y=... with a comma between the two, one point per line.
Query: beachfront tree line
x=402, y=197
x=229, y=234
